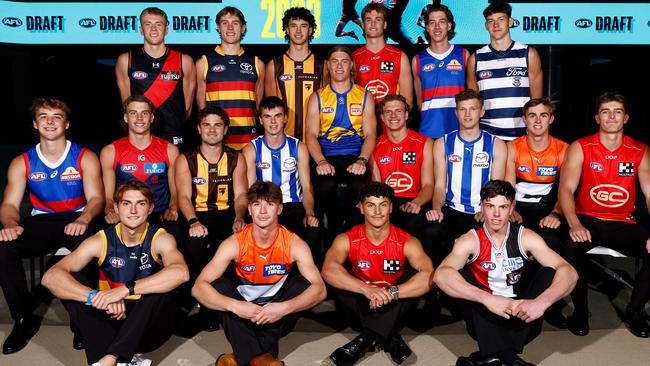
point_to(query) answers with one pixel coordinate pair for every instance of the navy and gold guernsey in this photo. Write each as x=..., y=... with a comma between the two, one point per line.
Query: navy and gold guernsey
x=119, y=263
x=230, y=84
x=212, y=185
x=161, y=81
x=341, y=120
x=296, y=81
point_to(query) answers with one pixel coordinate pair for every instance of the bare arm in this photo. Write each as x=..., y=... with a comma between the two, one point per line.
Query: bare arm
x=498, y=168
x=171, y=213
x=422, y=281
x=644, y=176
x=406, y=80
x=307, y=188
x=240, y=186
x=249, y=157
x=189, y=83
x=201, y=69
x=417, y=84
x=315, y=293
x=13, y=195
x=122, y=76
x=470, y=76
x=270, y=88
x=184, y=187
x=313, y=129
x=259, y=85
x=511, y=174
x=174, y=273
x=440, y=181
x=376, y=177
x=426, y=175
x=369, y=128
x=335, y=274
x=106, y=157
x=94, y=193
x=571, y=173
x=535, y=74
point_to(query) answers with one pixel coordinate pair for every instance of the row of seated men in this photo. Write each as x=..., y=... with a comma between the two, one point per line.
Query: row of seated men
x=66, y=193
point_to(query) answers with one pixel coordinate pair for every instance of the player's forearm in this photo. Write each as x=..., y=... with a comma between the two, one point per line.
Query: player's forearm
x=425, y=195
x=309, y=298
x=417, y=285
x=563, y=283
x=94, y=207
x=9, y=215
x=368, y=147
x=337, y=276
x=209, y=297
x=451, y=282
x=164, y=280
x=568, y=205
x=62, y=285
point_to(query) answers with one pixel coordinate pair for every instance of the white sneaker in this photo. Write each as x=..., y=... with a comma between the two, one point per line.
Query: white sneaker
x=138, y=360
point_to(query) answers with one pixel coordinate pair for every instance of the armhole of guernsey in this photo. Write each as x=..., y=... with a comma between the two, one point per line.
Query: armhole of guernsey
x=102, y=257
x=205, y=67
x=520, y=235
x=153, y=243
x=477, y=252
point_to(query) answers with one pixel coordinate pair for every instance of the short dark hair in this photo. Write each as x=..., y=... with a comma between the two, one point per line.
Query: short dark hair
x=498, y=6
x=267, y=191
x=138, y=98
x=468, y=94
x=232, y=11
x=152, y=10
x=272, y=102
x=133, y=185
x=376, y=189
x=216, y=110
x=50, y=103
x=611, y=96
x=392, y=98
x=498, y=187
x=545, y=101
x=298, y=13
x=450, y=18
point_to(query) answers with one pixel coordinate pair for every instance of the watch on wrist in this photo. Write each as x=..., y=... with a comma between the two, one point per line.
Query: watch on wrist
x=131, y=286
x=394, y=292
x=193, y=220
x=363, y=160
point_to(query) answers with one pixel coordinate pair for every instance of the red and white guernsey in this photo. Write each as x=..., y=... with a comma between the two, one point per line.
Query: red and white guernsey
x=499, y=270
x=381, y=264
x=608, y=184
x=400, y=164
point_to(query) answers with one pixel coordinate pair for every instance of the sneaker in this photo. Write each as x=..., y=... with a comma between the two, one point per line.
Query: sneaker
x=138, y=360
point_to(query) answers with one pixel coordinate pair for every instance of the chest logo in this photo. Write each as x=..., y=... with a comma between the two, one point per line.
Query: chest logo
x=485, y=74
x=609, y=195
x=428, y=67
x=598, y=167
x=481, y=160
x=263, y=165
x=249, y=268
x=523, y=169
x=487, y=266
x=453, y=158
x=364, y=68
x=454, y=65
x=409, y=157
x=275, y=270
x=363, y=265
x=198, y=181
x=512, y=264
x=378, y=88
x=139, y=75
x=218, y=68
x=356, y=109
x=129, y=168
x=154, y=168
x=387, y=66
x=285, y=77
x=289, y=165
x=38, y=176
x=70, y=173
x=116, y=262
x=385, y=160
x=399, y=181
x=170, y=76
x=392, y=266
x=546, y=171
x=327, y=110
x=626, y=169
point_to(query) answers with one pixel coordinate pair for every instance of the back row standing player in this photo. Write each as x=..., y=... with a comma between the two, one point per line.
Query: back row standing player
x=296, y=74
x=165, y=76
x=506, y=72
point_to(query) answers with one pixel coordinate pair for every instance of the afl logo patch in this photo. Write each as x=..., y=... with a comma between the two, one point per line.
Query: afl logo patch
x=385, y=160
x=488, y=266
x=428, y=67
x=327, y=110
x=37, y=176
x=485, y=74
x=198, y=180
x=523, y=169
x=596, y=166
x=263, y=165
x=139, y=75
x=454, y=158
x=364, y=68
x=129, y=168
x=250, y=268
x=116, y=262
x=285, y=77
x=363, y=265
x=218, y=68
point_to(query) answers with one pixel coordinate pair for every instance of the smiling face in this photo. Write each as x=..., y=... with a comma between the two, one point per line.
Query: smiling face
x=299, y=31
x=340, y=66
x=538, y=120
x=51, y=123
x=374, y=24
x=133, y=209
x=212, y=130
x=154, y=29
x=612, y=117
x=138, y=117
x=231, y=28
x=438, y=27
x=394, y=115
x=376, y=211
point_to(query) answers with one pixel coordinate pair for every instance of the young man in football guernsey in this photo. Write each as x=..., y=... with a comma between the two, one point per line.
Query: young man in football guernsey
x=439, y=73
x=145, y=157
x=403, y=159
x=165, y=76
x=211, y=187
x=506, y=72
x=284, y=160
x=381, y=68
x=501, y=297
x=297, y=73
x=379, y=288
x=463, y=161
x=341, y=130
x=348, y=13
x=65, y=190
x=232, y=79
x=130, y=310
x=263, y=300
x=602, y=170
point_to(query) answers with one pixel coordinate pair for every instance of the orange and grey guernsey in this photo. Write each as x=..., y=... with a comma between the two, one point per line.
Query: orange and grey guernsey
x=212, y=185
x=262, y=271
x=119, y=263
x=296, y=81
x=230, y=83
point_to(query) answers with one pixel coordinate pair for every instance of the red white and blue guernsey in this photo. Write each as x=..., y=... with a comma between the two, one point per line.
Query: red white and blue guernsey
x=149, y=165
x=55, y=187
x=382, y=264
x=499, y=269
x=469, y=165
x=279, y=166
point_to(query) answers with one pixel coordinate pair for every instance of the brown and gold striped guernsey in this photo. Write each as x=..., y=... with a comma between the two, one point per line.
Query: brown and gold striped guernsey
x=212, y=185
x=296, y=80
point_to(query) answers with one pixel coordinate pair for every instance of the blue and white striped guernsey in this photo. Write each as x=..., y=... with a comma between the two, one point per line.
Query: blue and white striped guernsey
x=279, y=166
x=469, y=164
x=502, y=78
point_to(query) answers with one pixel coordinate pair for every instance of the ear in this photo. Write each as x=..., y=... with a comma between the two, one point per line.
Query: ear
x=35, y=124
x=67, y=125
x=550, y=120
x=482, y=111
x=626, y=118
x=510, y=22
x=280, y=209
x=150, y=209
x=114, y=206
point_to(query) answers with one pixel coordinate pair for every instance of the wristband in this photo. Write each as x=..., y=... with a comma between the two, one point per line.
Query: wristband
x=555, y=214
x=193, y=220
x=90, y=296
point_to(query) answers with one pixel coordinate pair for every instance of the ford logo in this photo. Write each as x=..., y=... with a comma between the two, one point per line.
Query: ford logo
x=12, y=22
x=87, y=22
x=584, y=23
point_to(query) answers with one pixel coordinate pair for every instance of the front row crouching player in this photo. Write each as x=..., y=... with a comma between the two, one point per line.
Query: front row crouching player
x=389, y=272
x=139, y=266
x=501, y=300
x=262, y=303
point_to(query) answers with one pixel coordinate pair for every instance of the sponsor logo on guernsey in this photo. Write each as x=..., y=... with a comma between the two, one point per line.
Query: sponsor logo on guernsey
x=546, y=171
x=263, y=165
x=248, y=268
x=454, y=65
x=485, y=74
x=144, y=262
x=481, y=160
x=246, y=68
x=87, y=22
x=399, y=181
x=218, y=68
x=487, y=266
x=154, y=168
x=198, y=180
x=453, y=158
x=285, y=77
x=274, y=270
x=139, y=75
x=392, y=266
x=289, y=165
x=116, y=262
x=513, y=278
x=12, y=22
x=387, y=66
x=626, y=169
x=428, y=67
x=376, y=252
x=596, y=166
x=327, y=110
x=378, y=88
x=54, y=174
x=129, y=168
x=70, y=173
x=170, y=76
x=523, y=169
x=364, y=68
x=356, y=109
x=385, y=160
x=409, y=157
x=512, y=264
x=37, y=176
x=363, y=265
x=609, y=195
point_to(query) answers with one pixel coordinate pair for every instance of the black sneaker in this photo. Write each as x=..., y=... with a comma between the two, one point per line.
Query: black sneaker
x=636, y=320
